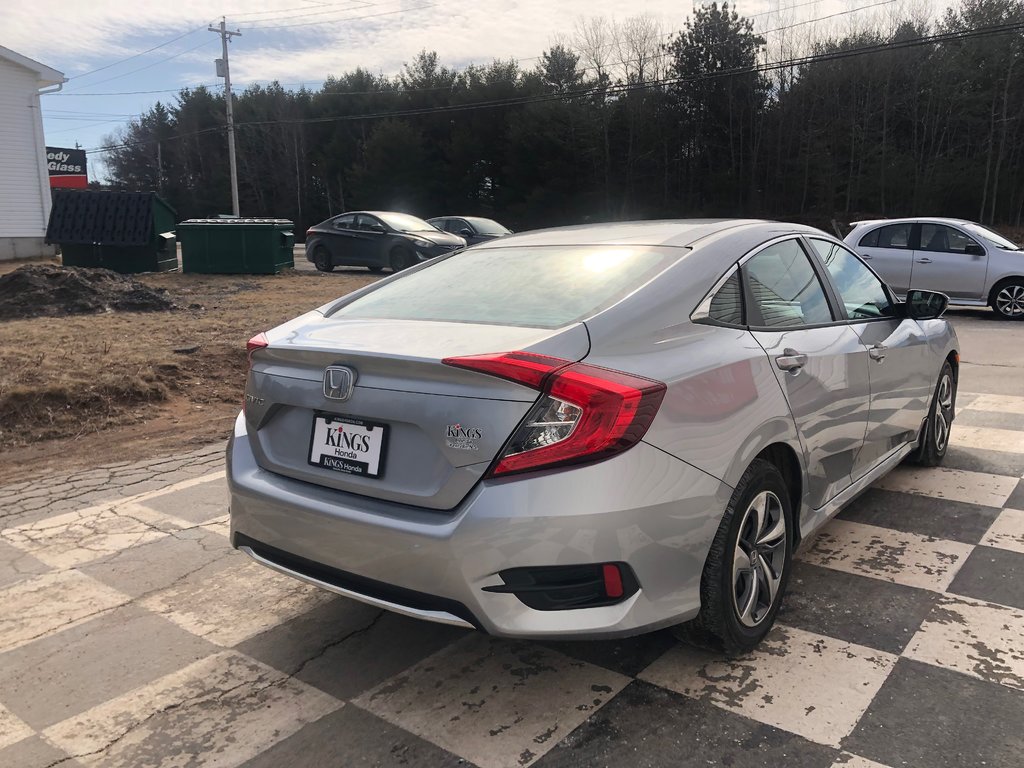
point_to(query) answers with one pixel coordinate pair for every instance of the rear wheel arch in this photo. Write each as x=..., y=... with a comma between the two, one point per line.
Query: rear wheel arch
x=953, y=358
x=786, y=460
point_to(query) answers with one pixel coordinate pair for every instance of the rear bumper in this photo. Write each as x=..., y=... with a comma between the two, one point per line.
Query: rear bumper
x=643, y=507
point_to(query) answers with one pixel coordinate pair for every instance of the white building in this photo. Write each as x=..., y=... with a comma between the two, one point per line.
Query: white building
x=24, y=181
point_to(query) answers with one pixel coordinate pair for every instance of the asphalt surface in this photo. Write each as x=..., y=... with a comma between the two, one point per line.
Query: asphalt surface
x=131, y=634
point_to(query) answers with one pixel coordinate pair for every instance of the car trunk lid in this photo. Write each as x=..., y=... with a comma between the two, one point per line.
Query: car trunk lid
x=439, y=427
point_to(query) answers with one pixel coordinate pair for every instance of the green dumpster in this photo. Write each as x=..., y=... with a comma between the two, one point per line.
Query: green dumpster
x=123, y=231
x=236, y=246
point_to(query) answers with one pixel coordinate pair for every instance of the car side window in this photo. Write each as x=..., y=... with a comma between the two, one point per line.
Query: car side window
x=784, y=288
x=345, y=222
x=365, y=223
x=457, y=225
x=870, y=240
x=727, y=305
x=861, y=292
x=891, y=236
x=937, y=237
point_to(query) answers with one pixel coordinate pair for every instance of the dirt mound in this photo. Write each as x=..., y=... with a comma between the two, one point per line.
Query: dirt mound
x=47, y=290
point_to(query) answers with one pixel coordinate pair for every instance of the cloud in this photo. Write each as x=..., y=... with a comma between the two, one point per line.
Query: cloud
x=301, y=41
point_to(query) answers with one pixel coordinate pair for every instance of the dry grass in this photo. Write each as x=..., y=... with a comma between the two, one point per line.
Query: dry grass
x=86, y=389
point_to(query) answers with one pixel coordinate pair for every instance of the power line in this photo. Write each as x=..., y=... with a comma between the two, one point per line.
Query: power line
x=613, y=90
x=84, y=119
x=623, y=62
x=627, y=87
x=142, y=142
x=135, y=55
x=149, y=66
x=361, y=3
x=82, y=127
x=346, y=18
x=612, y=44
x=138, y=93
x=514, y=58
x=80, y=113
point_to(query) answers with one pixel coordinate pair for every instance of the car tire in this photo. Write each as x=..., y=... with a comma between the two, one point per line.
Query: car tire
x=1007, y=299
x=740, y=599
x=322, y=259
x=939, y=424
x=400, y=259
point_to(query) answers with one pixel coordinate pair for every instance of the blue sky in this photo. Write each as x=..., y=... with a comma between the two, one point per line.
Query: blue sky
x=101, y=45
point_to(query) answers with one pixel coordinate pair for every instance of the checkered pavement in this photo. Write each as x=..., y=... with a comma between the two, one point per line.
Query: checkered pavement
x=132, y=635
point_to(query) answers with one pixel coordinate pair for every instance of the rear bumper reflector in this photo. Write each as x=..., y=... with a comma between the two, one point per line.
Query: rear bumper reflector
x=568, y=587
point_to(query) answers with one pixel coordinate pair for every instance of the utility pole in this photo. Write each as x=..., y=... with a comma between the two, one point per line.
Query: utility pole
x=224, y=70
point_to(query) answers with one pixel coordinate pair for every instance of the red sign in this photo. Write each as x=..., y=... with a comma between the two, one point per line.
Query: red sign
x=67, y=168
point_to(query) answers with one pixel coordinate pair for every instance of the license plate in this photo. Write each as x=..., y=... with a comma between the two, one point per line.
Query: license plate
x=352, y=446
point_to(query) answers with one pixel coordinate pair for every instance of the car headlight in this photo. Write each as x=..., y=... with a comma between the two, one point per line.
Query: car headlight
x=421, y=243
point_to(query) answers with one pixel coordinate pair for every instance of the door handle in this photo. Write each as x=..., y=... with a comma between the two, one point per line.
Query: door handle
x=924, y=260
x=877, y=352
x=866, y=256
x=790, y=360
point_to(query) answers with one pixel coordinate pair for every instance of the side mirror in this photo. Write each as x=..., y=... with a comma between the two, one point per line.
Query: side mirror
x=377, y=228
x=466, y=232
x=926, y=305
x=973, y=249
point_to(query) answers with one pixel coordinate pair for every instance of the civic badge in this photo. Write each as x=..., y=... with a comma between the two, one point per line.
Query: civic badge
x=338, y=382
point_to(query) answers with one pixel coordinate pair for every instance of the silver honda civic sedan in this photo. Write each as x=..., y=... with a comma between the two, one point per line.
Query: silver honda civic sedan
x=587, y=432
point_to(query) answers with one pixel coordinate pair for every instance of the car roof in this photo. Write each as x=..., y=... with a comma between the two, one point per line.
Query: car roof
x=678, y=233
x=913, y=220
x=375, y=213
x=461, y=216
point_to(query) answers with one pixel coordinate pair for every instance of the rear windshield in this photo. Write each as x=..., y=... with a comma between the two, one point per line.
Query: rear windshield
x=488, y=226
x=538, y=287
x=403, y=222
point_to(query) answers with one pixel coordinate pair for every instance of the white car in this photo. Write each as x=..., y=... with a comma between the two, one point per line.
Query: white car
x=968, y=262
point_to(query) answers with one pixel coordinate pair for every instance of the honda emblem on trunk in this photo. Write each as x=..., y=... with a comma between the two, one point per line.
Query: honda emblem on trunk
x=338, y=382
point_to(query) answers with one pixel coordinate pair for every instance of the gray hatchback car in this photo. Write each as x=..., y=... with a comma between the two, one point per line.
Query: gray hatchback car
x=972, y=264
x=587, y=432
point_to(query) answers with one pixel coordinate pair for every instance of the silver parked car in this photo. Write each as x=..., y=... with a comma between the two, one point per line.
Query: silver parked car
x=590, y=431
x=970, y=263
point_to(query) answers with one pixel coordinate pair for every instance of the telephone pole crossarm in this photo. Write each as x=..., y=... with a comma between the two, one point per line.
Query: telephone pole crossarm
x=224, y=70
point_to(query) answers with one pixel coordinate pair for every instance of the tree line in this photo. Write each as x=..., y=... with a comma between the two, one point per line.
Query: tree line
x=902, y=116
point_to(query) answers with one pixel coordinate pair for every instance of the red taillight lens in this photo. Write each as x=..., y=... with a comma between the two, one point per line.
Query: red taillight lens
x=259, y=341
x=586, y=413
x=520, y=367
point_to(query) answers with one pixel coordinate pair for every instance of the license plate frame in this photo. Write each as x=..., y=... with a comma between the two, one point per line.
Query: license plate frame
x=347, y=457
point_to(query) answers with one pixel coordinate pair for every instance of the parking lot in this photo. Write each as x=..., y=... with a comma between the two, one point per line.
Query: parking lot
x=133, y=635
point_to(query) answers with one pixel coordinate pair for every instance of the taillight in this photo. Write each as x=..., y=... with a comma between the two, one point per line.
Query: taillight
x=520, y=367
x=586, y=413
x=259, y=341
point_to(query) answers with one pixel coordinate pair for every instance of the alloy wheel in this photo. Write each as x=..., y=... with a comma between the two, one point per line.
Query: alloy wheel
x=759, y=558
x=943, y=411
x=1010, y=300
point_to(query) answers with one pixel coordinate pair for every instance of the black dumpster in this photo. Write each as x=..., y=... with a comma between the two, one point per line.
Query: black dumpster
x=236, y=246
x=123, y=231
